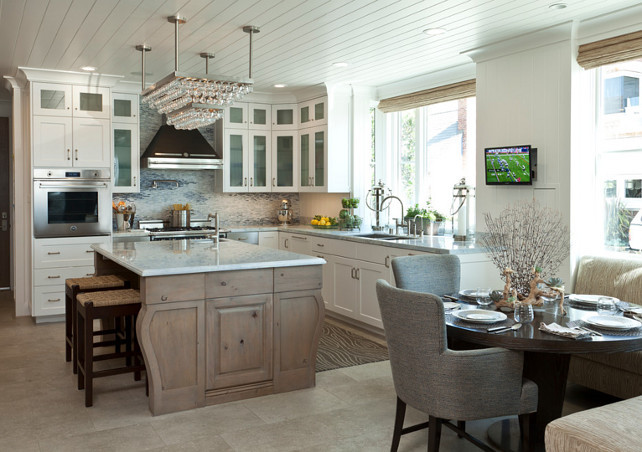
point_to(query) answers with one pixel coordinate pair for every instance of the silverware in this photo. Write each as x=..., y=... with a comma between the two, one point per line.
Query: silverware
x=575, y=325
x=514, y=328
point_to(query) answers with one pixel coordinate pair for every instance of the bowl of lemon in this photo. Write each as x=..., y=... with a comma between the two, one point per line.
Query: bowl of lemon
x=321, y=222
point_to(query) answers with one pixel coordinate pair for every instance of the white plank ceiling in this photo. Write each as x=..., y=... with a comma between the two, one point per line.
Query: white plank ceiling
x=382, y=41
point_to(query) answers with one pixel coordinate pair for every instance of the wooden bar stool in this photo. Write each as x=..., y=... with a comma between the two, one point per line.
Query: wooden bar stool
x=106, y=305
x=74, y=286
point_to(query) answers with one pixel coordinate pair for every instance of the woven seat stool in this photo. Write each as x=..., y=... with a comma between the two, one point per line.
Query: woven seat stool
x=106, y=305
x=74, y=286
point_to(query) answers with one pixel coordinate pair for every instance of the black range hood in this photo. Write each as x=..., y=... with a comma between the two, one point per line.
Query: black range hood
x=172, y=148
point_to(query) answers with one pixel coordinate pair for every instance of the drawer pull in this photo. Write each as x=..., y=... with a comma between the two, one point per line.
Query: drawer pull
x=51, y=253
x=89, y=251
x=299, y=237
x=241, y=238
x=53, y=277
x=89, y=274
x=53, y=301
x=386, y=262
x=320, y=244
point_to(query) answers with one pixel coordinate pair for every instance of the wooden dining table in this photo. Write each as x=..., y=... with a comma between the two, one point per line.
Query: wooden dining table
x=546, y=361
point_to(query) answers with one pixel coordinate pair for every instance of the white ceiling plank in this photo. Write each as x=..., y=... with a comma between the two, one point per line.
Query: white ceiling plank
x=74, y=18
x=10, y=19
x=53, y=17
x=32, y=18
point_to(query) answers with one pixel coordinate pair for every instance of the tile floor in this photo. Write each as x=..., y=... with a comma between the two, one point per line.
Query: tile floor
x=350, y=409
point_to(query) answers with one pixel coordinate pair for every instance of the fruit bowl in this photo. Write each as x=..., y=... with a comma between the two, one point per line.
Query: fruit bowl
x=325, y=226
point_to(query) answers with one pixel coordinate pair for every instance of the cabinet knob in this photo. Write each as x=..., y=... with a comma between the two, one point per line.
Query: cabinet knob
x=163, y=297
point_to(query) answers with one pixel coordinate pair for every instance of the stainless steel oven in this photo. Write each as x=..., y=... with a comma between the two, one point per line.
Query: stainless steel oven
x=71, y=202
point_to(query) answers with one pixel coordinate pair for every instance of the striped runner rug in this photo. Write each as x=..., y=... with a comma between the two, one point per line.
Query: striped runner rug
x=339, y=347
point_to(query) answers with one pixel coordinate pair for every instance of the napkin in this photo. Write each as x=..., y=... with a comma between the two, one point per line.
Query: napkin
x=559, y=330
x=450, y=305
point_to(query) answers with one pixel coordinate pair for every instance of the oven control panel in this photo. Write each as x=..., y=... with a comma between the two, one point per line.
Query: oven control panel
x=71, y=174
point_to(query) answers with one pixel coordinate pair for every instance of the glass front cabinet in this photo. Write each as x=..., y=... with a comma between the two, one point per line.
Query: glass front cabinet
x=285, y=161
x=247, y=163
x=284, y=117
x=313, y=112
x=126, y=143
x=313, y=152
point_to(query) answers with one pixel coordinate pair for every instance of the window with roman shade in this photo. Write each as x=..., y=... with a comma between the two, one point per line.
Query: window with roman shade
x=617, y=66
x=445, y=93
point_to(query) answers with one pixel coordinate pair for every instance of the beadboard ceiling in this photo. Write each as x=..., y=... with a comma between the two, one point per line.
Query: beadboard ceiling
x=382, y=41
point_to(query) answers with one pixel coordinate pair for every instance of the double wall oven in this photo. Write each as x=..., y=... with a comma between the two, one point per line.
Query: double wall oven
x=72, y=202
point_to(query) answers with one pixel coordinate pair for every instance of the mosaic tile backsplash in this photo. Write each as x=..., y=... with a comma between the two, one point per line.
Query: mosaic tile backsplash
x=196, y=187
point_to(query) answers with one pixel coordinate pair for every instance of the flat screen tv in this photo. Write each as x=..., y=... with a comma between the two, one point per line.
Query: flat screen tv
x=509, y=165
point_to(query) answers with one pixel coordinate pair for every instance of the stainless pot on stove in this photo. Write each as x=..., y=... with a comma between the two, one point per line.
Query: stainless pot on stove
x=180, y=219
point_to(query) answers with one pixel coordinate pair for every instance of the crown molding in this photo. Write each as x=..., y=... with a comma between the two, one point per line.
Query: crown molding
x=70, y=77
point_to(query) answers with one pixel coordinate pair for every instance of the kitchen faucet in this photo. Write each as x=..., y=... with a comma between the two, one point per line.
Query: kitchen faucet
x=397, y=223
x=414, y=220
x=214, y=217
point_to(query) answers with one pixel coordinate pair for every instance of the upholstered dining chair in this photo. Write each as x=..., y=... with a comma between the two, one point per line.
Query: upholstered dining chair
x=432, y=273
x=444, y=383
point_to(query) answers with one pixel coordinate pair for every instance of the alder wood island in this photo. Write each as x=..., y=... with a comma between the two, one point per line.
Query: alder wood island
x=223, y=323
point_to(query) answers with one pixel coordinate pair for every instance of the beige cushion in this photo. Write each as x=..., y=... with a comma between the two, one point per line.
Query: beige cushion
x=614, y=427
x=621, y=278
x=96, y=282
x=110, y=297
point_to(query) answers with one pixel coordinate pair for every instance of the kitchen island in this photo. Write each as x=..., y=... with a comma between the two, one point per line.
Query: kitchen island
x=220, y=323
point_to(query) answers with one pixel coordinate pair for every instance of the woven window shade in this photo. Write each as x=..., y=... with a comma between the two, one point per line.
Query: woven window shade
x=418, y=99
x=612, y=50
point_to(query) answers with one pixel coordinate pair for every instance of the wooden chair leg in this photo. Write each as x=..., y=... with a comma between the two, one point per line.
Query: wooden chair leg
x=89, y=352
x=400, y=414
x=79, y=347
x=434, y=433
x=68, y=327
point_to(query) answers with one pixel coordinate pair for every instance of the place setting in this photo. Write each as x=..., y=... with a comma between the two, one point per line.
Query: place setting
x=485, y=316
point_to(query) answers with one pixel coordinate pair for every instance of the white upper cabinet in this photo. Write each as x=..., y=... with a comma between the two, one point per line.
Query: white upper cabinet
x=235, y=116
x=284, y=117
x=91, y=102
x=313, y=113
x=124, y=108
x=52, y=141
x=260, y=117
x=51, y=99
x=285, y=161
x=313, y=160
x=55, y=99
x=125, y=142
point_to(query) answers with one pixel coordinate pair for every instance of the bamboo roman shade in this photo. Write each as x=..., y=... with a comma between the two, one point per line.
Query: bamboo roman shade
x=612, y=50
x=418, y=99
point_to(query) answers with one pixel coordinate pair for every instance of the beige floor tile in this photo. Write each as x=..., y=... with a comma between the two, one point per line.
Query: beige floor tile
x=177, y=428
x=290, y=405
x=125, y=439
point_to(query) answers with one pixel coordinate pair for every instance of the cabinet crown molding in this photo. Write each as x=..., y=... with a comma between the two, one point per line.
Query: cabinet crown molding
x=70, y=77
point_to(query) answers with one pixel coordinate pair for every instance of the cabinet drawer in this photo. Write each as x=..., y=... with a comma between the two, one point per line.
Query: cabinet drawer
x=57, y=276
x=337, y=247
x=234, y=283
x=50, y=253
x=164, y=289
x=48, y=300
x=298, y=278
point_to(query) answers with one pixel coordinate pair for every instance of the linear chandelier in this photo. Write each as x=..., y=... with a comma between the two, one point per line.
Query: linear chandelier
x=192, y=101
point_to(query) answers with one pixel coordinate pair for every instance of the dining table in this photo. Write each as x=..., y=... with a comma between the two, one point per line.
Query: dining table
x=546, y=358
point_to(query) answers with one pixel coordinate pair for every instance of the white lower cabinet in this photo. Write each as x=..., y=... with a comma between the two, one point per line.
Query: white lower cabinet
x=55, y=260
x=296, y=243
x=269, y=239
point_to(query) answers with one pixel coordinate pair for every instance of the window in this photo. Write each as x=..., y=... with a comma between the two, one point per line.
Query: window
x=619, y=149
x=430, y=149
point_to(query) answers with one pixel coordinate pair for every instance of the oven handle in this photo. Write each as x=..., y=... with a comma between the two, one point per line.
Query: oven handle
x=72, y=185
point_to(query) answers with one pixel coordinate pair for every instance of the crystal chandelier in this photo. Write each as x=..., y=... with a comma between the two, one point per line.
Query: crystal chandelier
x=192, y=101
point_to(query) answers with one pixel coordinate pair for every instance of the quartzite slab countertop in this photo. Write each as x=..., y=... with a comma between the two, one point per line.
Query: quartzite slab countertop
x=177, y=257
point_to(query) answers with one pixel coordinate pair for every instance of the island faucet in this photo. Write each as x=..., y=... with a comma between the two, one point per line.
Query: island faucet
x=397, y=223
x=414, y=220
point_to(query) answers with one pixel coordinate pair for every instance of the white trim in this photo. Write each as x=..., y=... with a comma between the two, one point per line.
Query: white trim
x=70, y=77
x=617, y=23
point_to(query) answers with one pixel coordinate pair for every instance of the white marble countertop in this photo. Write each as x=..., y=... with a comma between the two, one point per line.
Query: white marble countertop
x=441, y=244
x=176, y=257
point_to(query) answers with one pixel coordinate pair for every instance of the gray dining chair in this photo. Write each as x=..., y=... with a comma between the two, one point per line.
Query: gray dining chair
x=444, y=383
x=432, y=273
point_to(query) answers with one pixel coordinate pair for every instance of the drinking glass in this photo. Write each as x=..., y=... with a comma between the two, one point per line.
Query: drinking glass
x=483, y=297
x=523, y=312
x=606, y=305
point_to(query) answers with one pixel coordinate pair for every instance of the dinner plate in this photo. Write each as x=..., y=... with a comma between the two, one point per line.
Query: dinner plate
x=586, y=299
x=612, y=322
x=480, y=316
x=471, y=294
